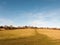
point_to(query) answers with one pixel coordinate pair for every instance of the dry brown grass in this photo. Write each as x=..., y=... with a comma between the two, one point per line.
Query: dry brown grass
x=29, y=37
x=54, y=34
x=16, y=33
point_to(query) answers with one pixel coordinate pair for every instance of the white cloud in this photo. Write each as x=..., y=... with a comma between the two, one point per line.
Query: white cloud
x=45, y=19
x=4, y=21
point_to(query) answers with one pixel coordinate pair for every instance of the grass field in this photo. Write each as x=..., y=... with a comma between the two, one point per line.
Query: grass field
x=30, y=37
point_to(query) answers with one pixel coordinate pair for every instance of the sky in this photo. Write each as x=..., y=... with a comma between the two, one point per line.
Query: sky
x=40, y=13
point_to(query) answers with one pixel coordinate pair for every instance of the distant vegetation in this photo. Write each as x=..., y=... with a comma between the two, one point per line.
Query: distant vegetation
x=24, y=27
x=28, y=35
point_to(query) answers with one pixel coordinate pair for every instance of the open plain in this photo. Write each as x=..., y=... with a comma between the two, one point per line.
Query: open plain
x=30, y=37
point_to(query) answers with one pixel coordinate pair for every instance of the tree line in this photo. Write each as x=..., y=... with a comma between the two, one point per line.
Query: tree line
x=11, y=27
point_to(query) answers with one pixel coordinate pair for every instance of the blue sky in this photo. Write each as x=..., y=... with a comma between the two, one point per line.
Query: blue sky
x=41, y=13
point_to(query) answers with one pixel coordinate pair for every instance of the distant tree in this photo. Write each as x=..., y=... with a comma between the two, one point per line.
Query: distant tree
x=26, y=26
x=10, y=27
x=1, y=27
x=5, y=27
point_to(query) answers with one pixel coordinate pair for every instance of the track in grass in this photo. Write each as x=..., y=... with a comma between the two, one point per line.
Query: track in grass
x=29, y=37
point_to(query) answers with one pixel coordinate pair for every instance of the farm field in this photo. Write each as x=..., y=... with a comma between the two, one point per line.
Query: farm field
x=30, y=37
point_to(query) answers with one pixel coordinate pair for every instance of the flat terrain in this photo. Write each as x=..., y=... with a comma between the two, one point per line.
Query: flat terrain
x=54, y=34
x=30, y=37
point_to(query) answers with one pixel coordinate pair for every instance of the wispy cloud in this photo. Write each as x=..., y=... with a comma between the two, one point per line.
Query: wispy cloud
x=4, y=21
x=42, y=13
x=49, y=18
